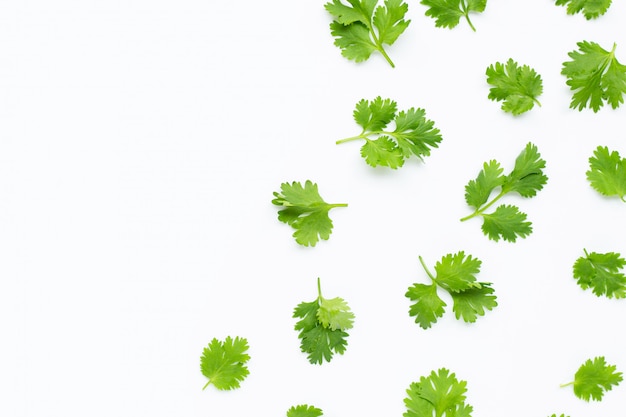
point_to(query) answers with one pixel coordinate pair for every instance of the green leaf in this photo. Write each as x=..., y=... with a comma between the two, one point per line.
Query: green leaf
x=601, y=272
x=223, y=363
x=305, y=211
x=457, y=272
x=428, y=307
x=506, y=222
x=321, y=327
x=413, y=134
x=595, y=76
x=440, y=394
x=591, y=9
x=448, y=13
x=607, y=173
x=471, y=303
x=594, y=378
x=477, y=191
x=361, y=27
x=304, y=410
x=517, y=86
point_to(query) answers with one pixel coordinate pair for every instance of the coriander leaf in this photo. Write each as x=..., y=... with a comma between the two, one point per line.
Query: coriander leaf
x=607, y=173
x=361, y=28
x=305, y=211
x=456, y=274
x=448, y=13
x=413, y=134
x=321, y=327
x=591, y=9
x=562, y=415
x=304, y=410
x=595, y=76
x=601, y=272
x=223, y=363
x=428, y=307
x=440, y=394
x=594, y=378
x=507, y=222
x=472, y=302
x=517, y=86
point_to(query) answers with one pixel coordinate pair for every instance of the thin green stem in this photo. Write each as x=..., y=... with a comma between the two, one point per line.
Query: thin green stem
x=426, y=269
x=566, y=385
x=480, y=211
x=207, y=384
x=361, y=136
x=387, y=58
x=319, y=289
x=537, y=102
x=469, y=21
x=337, y=205
x=364, y=135
x=379, y=45
x=586, y=253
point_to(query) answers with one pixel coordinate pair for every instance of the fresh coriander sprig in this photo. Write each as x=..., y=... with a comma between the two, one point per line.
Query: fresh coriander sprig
x=507, y=222
x=361, y=28
x=305, y=211
x=607, y=173
x=456, y=274
x=448, y=13
x=602, y=273
x=224, y=362
x=439, y=394
x=595, y=76
x=413, y=135
x=591, y=9
x=322, y=326
x=594, y=378
x=517, y=86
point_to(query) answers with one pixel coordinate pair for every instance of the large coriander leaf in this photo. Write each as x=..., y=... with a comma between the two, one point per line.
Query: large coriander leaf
x=477, y=191
x=361, y=27
x=591, y=9
x=335, y=313
x=224, y=363
x=448, y=13
x=602, y=273
x=428, y=306
x=412, y=135
x=594, y=378
x=457, y=272
x=473, y=302
x=516, y=86
x=304, y=410
x=527, y=176
x=440, y=394
x=607, y=172
x=595, y=76
x=305, y=211
x=507, y=223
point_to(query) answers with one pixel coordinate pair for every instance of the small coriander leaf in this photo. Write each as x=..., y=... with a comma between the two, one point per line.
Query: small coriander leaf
x=601, y=272
x=472, y=302
x=594, y=378
x=591, y=9
x=448, y=13
x=477, y=191
x=440, y=394
x=607, y=173
x=595, y=76
x=507, y=223
x=428, y=307
x=516, y=86
x=304, y=410
x=457, y=272
x=527, y=176
x=305, y=211
x=223, y=363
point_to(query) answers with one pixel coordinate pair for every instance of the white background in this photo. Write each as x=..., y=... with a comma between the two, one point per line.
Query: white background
x=141, y=141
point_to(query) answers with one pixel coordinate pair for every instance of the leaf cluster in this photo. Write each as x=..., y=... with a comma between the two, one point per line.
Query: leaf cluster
x=506, y=222
x=607, y=172
x=448, y=13
x=595, y=76
x=456, y=274
x=591, y=9
x=439, y=394
x=304, y=410
x=516, y=86
x=305, y=211
x=224, y=363
x=413, y=134
x=594, y=378
x=322, y=327
x=602, y=273
x=360, y=27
